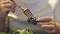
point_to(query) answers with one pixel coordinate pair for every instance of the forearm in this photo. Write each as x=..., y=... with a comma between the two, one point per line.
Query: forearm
x=2, y=27
x=57, y=28
x=2, y=22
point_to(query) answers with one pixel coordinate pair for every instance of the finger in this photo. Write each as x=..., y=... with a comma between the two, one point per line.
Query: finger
x=45, y=19
x=50, y=27
x=5, y=1
x=9, y=7
x=6, y=5
x=50, y=31
x=43, y=23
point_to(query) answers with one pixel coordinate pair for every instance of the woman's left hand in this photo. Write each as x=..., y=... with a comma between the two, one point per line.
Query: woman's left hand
x=48, y=23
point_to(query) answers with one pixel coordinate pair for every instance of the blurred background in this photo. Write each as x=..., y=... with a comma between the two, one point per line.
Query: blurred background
x=39, y=8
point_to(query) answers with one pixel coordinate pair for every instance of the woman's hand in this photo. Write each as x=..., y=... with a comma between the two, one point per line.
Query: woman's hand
x=48, y=23
x=6, y=6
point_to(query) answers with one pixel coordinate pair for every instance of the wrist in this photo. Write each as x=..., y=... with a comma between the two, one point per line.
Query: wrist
x=57, y=28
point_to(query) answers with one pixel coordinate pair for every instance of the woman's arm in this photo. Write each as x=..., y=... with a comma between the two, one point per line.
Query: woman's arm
x=5, y=8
